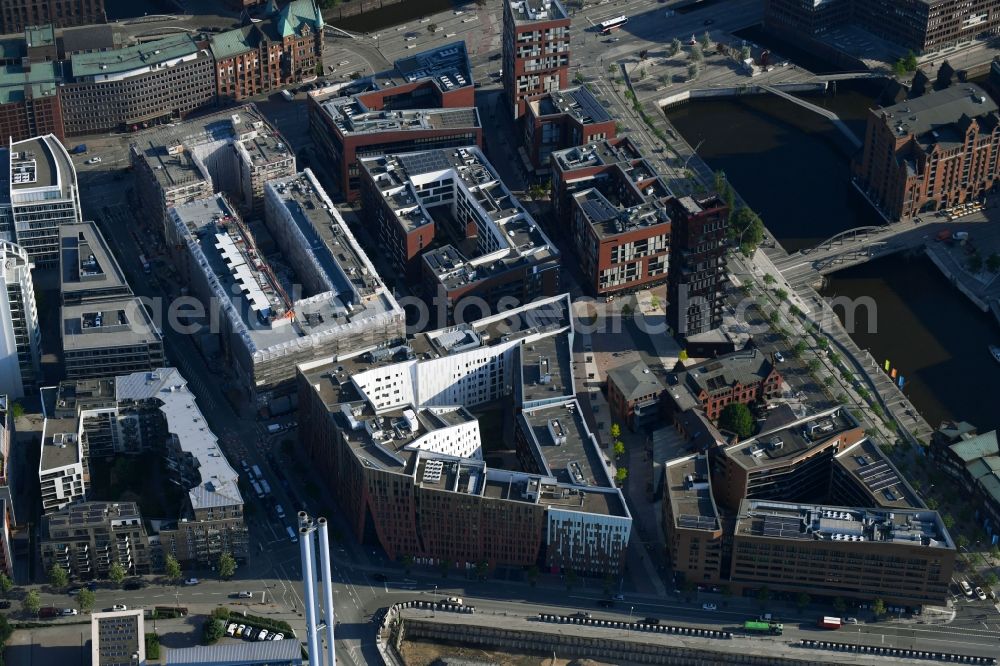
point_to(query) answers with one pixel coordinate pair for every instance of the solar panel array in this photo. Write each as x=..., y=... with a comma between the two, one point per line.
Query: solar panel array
x=417, y=163
x=590, y=106
x=598, y=209
x=783, y=527
x=879, y=476
x=696, y=522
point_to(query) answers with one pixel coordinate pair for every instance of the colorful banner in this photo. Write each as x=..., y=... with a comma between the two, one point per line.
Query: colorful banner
x=887, y=365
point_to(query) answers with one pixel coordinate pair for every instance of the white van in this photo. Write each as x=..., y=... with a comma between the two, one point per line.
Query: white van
x=292, y=534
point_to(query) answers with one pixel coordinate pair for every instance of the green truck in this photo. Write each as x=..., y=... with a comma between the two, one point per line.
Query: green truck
x=763, y=627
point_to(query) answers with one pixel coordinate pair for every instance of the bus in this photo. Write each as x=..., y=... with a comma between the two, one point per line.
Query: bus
x=761, y=627
x=613, y=24
x=256, y=472
x=266, y=486
x=257, y=489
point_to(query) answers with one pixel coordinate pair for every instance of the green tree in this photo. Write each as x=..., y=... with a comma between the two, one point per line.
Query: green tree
x=58, y=576
x=948, y=521
x=6, y=584
x=974, y=263
x=800, y=347
x=899, y=68
x=769, y=279
x=432, y=27
x=706, y=41
x=616, y=431
x=221, y=613
x=674, y=48
x=31, y=603
x=17, y=411
x=782, y=294
x=746, y=230
x=116, y=573
x=172, y=568
x=85, y=600
x=621, y=474
x=683, y=355
x=991, y=579
x=813, y=365
x=227, y=565
x=802, y=601
x=910, y=62
x=745, y=53
x=619, y=449
x=152, y=646
x=736, y=417
x=213, y=630
x=693, y=71
x=962, y=541
x=878, y=608
x=696, y=55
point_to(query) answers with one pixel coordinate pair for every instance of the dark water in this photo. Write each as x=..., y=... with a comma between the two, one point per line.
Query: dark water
x=390, y=15
x=786, y=162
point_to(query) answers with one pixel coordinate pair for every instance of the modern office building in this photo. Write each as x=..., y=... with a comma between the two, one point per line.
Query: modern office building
x=133, y=87
x=38, y=195
x=17, y=15
x=339, y=305
x=902, y=556
x=252, y=653
x=445, y=219
x=20, y=336
x=29, y=99
x=106, y=330
x=86, y=538
x=281, y=48
x=746, y=376
x=397, y=430
x=156, y=412
x=64, y=466
x=118, y=638
x=635, y=395
x=562, y=119
x=697, y=256
x=931, y=152
x=918, y=25
x=535, y=47
x=614, y=206
x=234, y=151
x=8, y=518
x=788, y=463
x=692, y=524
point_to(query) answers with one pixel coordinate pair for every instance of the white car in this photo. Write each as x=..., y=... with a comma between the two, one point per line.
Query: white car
x=455, y=600
x=262, y=636
x=778, y=357
x=980, y=594
x=192, y=581
x=277, y=637
x=69, y=611
x=119, y=607
x=231, y=629
x=94, y=160
x=245, y=595
x=709, y=607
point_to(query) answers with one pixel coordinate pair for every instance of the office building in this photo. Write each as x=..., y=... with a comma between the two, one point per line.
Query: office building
x=791, y=462
x=445, y=219
x=562, y=119
x=281, y=48
x=692, y=524
x=535, y=47
x=29, y=99
x=398, y=432
x=86, y=538
x=89, y=39
x=697, y=256
x=935, y=151
x=8, y=519
x=973, y=460
x=105, y=330
x=252, y=653
x=918, y=25
x=18, y=15
x=64, y=466
x=234, y=151
x=614, y=206
x=133, y=87
x=634, y=395
x=20, y=336
x=118, y=638
x=339, y=305
x=746, y=376
x=902, y=556
x=39, y=194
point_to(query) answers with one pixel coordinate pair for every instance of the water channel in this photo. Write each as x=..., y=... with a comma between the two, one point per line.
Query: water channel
x=787, y=165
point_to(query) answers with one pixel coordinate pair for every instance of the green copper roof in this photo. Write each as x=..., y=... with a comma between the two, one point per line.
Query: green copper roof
x=43, y=80
x=298, y=13
x=979, y=446
x=39, y=35
x=287, y=22
x=133, y=57
x=234, y=42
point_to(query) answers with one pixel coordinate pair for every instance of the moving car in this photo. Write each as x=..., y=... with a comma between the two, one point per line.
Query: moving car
x=980, y=594
x=245, y=594
x=778, y=357
x=709, y=607
x=192, y=581
x=134, y=584
x=69, y=611
x=119, y=607
x=455, y=600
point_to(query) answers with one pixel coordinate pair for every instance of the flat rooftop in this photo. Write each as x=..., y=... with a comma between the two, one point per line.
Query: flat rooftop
x=88, y=267
x=91, y=514
x=60, y=436
x=42, y=80
x=546, y=370
x=598, y=153
x=812, y=522
x=777, y=447
x=609, y=219
x=136, y=59
x=530, y=11
x=868, y=465
x=746, y=367
x=577, y=103
x=41, y=163
x=689, y=488
x=448, y=66
x=352, y=118
x=117, y=322
x=564, y=447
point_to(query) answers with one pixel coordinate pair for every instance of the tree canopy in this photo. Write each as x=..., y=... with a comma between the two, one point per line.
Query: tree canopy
x=736, y=417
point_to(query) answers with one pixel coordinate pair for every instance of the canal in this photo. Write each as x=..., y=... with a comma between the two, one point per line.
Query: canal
x=788, y=166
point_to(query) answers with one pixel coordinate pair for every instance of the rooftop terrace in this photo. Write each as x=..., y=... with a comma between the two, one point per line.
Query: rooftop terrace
x=528, y=11
x=351, y=118
x=41, y=163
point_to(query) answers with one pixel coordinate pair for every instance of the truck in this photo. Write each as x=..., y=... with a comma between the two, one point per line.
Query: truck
x=827, y=622
x=763, y=627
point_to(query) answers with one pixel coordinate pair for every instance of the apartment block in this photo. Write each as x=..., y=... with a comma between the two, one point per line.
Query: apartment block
x=118, y=638
x=635, y=395
x=901, y=556
x=64, y=466
x=17, y=15
x=20, y=336
x=234, y=151
x=932, y=152
x=29, y=100
x=105, y=330
x=746, y=376
x=692, y=524
x=264, y=331
x=614, y=206
x=536, y=50
x=445, y=219
x=137, y=86
x=396, y=432
x=562, y=119
x=86, y=538
x=697, y=272
x=38, y=195
x=281, y=48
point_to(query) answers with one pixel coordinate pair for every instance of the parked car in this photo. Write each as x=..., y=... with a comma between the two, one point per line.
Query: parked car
x=245, y=594
x=980, y=594
x=192, y=581
x=276, y=637
x=250, y=633
x=239, y=630
x=262, y=636
x=134, y=584
x=619, y=597
x=380, y=577
x=455, y=600
x=709, y=607
x=48, y=611
x=119, y=607
x=231, y=629
x=93, y=160
x=69, y=611
x=778, y=357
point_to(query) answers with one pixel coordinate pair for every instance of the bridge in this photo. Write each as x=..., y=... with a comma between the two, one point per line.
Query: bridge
x=826, y=113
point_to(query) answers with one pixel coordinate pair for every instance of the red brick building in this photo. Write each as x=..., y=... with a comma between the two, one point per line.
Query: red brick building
x=931, y=152
x=614, y=207
x=745, y=377
x=29, y=101
x=427, y=101
x=281, y=49
x=634, y=395
x=16, y=15
x=558, y=120
x=535, y=50
x=697, y=257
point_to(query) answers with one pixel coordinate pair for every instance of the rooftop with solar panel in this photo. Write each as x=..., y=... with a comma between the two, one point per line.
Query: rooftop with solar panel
x=688, y=487
x=778, y=446
x=819, y=522
x=351, y=116
x=869, y=467
x=578, y=103
x=600, y=153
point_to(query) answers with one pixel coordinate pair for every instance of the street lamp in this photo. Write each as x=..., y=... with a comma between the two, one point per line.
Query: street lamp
x=628, y=627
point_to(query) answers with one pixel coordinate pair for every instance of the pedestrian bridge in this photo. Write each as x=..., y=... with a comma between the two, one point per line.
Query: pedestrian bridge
x=826, y=113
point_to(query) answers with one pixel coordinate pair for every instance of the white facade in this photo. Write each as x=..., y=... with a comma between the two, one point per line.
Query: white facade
x=461, y=441
x=20, y=338
x=62, y=484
